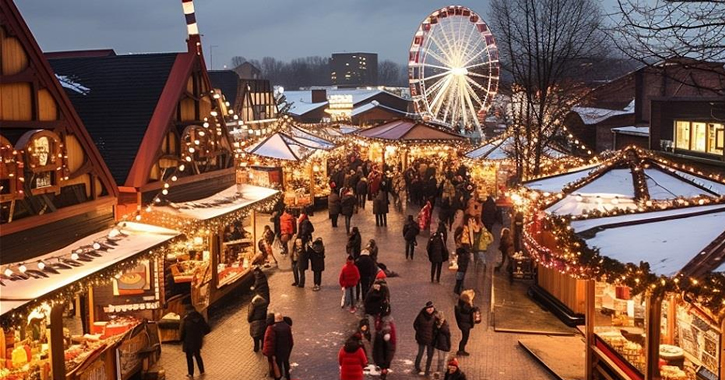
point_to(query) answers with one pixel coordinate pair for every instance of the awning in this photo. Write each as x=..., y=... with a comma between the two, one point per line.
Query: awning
x=221, y=203
x=121, y=243
x=281, y=146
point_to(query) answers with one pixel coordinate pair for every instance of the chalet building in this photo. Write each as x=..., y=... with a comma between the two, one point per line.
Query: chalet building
x=248, y=71
x=618, y=112
x=311, y=106
x=252, y=100
x=54, y=185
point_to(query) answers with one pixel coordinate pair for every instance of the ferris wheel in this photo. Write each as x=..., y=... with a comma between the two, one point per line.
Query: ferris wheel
x=453, y=68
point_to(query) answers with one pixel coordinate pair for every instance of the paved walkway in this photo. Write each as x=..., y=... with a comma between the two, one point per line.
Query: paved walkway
x=320, y=326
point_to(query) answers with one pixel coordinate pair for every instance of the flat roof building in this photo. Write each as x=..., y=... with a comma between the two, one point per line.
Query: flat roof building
x=354, y=69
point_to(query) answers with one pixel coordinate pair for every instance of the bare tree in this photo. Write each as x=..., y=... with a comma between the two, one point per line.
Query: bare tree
x=544, y=45
x=237, y=61
x=390, y=73
x=687, y=34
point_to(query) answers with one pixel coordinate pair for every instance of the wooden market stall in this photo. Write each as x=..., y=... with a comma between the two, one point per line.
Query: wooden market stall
x=631, y=181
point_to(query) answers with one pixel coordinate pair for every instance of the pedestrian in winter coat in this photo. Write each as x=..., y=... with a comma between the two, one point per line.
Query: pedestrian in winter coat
x=463, y=258
x=297, y=251
x=442, y=341
x=374, y=180
x=317, y=261
x=257, y=318
x=505, y=246
x=334, y=207
x=349, y=277
x=437, y=254
x=303, y=262
x=488, y=213
x=384, y=344
x=424, y=216
x=261, y=286
x=410, y=231
x=372, y=247
x=362, y=192
x=352, y=360
x=377, y=301
x=305, y=228
x=278, y=343
x=368, y=269
x=464, y=318
x=424, y=326
x=453, y=372
x=288, y=227
x=380, y=208
x=348, y=203
x=354, y=243
x=193, y=329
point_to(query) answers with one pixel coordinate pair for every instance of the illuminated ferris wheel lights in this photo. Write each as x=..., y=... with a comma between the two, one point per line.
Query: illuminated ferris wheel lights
x=459, y=71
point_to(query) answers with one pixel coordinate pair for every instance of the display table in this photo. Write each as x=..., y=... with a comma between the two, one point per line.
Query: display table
x=523, y=267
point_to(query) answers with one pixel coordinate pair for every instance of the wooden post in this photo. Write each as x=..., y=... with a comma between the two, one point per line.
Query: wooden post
x=589, y=328
x=91, y=309
x=722, y=348
x=57, y=354
x=653, y=319
x=311, y=176
x=253, y=223
x=213, y=242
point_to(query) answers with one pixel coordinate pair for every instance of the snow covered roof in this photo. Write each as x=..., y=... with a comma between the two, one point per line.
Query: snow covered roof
x=556, y=183
x=375, y=104
x=281, y=146
x=632, y=130
x=135, y=239
x=310, y=139
x=358, y=95
x=501, y=148
x=408, y=130
x=301, y=108
x=221, y=203
x=593, y=115
x=667, y=240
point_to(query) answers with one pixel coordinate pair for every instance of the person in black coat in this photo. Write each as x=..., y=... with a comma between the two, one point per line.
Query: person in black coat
x=303, y=262
x=334, y=206
x=354, y=243
x=368, y=269
x=464, y=319
x=261, y=286
x=278, y=343
x=437, y=254
x=317, y=261
x=257, y=318
x=381, y=209
x=424, y=326
x=361, y=190
x=348, y=203
x=488, y=213
x=410, y=231
x=305, y=228
x=193, y=329
x=442, y=341
x=464, y=257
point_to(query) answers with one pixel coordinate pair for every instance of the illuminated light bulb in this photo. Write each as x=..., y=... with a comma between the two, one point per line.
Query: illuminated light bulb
x=182, y=167
x=96, y=246
x=157, y=200
x=188, y=159
x=74, y=256
x=41, y=264
x=166, y=185
x=22, y=268
x=196, y=142
x=164, y=191
x=192, y=150
x=8, y=272
x=201, y=133
x=138, y=217
x=148, y=209
x=174, y=178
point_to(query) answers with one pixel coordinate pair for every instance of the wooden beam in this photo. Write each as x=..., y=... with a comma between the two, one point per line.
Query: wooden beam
x=25, y=76
x=34, y=124
x=589, y=324
x=191, y=179
x=653, y=319
x=66, y=212
x=57, y=355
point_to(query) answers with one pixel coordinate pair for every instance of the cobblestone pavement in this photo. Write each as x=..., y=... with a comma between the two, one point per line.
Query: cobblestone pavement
x=320, y=326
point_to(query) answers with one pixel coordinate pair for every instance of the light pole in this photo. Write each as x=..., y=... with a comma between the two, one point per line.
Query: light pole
x=211, y=55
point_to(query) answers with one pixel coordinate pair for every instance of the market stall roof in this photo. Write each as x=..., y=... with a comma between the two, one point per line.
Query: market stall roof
x=501, y=148
x=611, y=184
x=593, y=115
x=282, y=146
x=632, y=130
x=409, y=130
x=667, y=240
x=310, y=139
x=123, y=242
x=221, y=203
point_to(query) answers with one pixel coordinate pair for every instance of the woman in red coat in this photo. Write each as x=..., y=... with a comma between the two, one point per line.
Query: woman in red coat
x=349, y=277
x=352, y=360
x=424, y=216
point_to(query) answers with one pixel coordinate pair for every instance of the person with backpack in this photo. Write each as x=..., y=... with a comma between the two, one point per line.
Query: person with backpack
x=437, y=254
x=193, y=329
x=410, y=231
x=465, y=318
x=317, y=262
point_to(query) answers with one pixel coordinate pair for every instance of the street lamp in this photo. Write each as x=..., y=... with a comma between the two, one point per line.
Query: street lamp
x=211, y=55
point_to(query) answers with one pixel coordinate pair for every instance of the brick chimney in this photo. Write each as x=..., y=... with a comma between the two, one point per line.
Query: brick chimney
x=319, y=96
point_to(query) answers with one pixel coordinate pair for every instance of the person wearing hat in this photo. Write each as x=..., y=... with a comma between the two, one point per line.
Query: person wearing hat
x=424, y=326
x=368, y=269
x=454, y=372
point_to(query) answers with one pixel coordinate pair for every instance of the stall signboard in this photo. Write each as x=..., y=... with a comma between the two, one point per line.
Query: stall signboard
x=128, y=360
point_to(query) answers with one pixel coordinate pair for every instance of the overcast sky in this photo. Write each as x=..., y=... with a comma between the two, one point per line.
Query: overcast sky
x=283, y=29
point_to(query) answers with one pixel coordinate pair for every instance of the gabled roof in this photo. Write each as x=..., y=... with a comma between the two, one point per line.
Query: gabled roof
x=123, y=93
x=501, y=148
x=310, y=139
x=227, y=81
x=281, y=146
x=357, y=111
x=408, y=130
x=593, y=115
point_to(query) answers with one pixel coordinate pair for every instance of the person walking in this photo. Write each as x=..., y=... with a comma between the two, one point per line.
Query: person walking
x=297, y=251
x=352, y=360
x=380, y=208
x=288, y=228
x=354, y=243
x=334, y=207
x=384, y=344
x=488, y=213
x=349, y=277
x=257, y=318
x=424, y=216
x=368, y=269
x=377, y=301
x=348, y=203
x=453, y=372
x=437, y=254
x=193, y=329
x=361, y=190
x=317, y=262
x=442, y=343
x=303, y=263
x=463, y=259
x=424, y=325
x=410, y=231
x=505, y=246
x=465, y=319
x=278, y=343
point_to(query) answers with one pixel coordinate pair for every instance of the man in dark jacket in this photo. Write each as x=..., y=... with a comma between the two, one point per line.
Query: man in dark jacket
x=257, y=318
x=278, y=345
x=437, y=254
x=193, y=329
x=348, y=203
x=380, y=208
x=305, y=229
x=488, y=213
x=410, y=231
x=261, y=286
x=464, y=257
x=361, y=190
x=334, y=207
x=368, y=269
x=354, y=243
x=424, y=326
x=317, y=262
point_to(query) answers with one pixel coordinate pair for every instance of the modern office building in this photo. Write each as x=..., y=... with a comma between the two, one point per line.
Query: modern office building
x=354, y=69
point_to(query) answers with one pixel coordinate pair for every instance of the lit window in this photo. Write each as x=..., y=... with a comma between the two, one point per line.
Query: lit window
x=683, y=135
x=716, y=138
x=700, y=136
x=699, y=139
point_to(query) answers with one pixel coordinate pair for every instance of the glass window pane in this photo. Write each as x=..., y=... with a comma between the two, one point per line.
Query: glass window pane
x=699, y=137
x=715, y=138
x=682, y=136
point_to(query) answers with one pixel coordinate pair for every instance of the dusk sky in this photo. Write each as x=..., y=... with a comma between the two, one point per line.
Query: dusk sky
x=283, y=29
